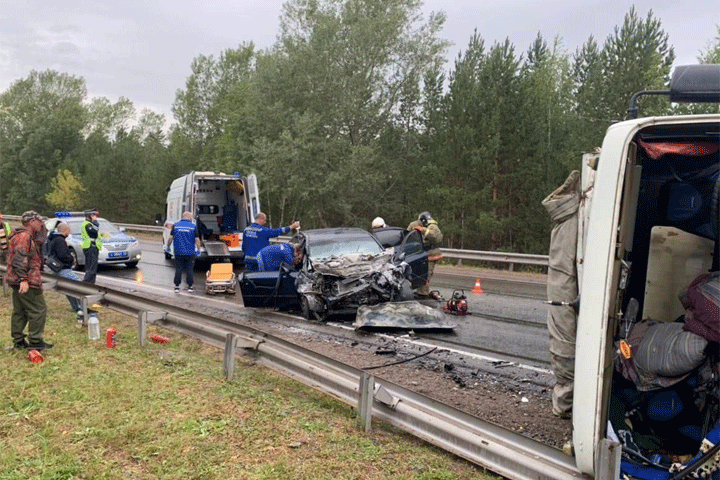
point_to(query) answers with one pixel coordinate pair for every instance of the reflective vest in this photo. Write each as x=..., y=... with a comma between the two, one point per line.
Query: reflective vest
x=5, y=232
x=87, y=241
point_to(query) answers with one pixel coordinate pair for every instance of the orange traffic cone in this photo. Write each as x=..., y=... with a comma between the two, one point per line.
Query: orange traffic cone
x=478, y=288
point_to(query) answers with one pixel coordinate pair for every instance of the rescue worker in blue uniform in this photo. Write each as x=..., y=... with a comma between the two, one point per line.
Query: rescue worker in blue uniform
x=91, y=244
x=271, y=257
x=256, y=236
x=184, y=235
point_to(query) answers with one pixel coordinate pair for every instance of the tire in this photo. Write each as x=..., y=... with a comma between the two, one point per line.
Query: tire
x=307, y=313
x=75, y=264
x=305, y=308
x=131, y=264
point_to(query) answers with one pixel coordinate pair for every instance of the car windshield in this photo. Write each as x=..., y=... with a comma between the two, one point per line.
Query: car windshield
x=106, y=228
x=337, y=245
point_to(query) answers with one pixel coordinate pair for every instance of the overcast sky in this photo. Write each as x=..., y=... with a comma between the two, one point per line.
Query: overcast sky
x=142, y=49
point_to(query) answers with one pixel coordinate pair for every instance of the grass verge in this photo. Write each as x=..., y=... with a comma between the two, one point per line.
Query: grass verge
x=166, y=411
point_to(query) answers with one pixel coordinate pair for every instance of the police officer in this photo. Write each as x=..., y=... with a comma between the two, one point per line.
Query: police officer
x=256, y=236
x=91, y=244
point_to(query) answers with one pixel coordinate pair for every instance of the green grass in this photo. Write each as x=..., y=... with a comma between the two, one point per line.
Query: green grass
x=166, y=411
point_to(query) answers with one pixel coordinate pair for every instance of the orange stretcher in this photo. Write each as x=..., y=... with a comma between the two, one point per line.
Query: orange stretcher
x=220, y=279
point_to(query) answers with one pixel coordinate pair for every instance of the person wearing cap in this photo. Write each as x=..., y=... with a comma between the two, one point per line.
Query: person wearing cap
x=432, y=239
x=256, y=236
x=25, y=262
x=91, y=244
x=378, y=223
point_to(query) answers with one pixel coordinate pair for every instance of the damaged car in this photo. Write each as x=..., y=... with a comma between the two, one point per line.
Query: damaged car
x=343, y=269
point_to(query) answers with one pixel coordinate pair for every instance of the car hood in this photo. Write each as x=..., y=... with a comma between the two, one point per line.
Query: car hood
x=410, y=315
x=353, y=265
x=116, y=238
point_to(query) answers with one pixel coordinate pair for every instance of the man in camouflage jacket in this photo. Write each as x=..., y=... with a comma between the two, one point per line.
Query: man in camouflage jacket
x=24, y=264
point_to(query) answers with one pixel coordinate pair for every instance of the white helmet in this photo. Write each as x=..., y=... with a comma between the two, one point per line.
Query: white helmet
x=378, y=222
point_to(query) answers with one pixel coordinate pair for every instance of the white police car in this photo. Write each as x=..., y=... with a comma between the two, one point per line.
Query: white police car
x=118, y=247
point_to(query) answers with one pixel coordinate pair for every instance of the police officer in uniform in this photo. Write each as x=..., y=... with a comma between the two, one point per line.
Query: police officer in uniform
x=91, y=244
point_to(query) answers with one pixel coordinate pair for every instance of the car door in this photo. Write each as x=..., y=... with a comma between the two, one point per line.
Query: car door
x=415, y=256
x=269, y=289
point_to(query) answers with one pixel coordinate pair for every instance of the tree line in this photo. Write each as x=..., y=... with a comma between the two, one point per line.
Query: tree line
x=350, y=115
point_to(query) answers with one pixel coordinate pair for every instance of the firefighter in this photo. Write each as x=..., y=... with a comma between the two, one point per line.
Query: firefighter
x=378, y=223
x=432, y=238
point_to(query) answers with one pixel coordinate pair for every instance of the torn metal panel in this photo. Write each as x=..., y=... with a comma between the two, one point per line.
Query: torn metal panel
x=353, y=265
x=411, y=315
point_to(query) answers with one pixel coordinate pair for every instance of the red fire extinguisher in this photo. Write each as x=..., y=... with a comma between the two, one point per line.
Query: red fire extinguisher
x=110, y=339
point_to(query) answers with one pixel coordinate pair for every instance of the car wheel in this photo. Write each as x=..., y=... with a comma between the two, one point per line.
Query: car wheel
x=307, y=312
x=131, y=264
x=75, y=264
x=305, y=307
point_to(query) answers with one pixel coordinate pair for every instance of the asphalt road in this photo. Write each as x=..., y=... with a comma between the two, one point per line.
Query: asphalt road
x=506, y=321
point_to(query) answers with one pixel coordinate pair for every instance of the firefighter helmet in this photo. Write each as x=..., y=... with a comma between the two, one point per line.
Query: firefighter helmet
x=378, y=222
x=424, y=218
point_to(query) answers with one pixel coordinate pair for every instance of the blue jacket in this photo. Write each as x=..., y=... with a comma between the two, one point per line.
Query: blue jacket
x=256, y=237
x=184, y=233
x=270, y=257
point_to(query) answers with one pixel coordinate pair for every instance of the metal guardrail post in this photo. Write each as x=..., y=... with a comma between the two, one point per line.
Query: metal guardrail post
x=229, y=358
x=143, y=318
x=87, y=300
x=367, y=387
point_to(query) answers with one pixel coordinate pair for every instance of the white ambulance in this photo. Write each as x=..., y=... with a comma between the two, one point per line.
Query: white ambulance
x=223, y=205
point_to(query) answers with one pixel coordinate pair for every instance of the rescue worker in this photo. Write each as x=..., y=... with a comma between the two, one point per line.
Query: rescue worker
x=25, y=262
x=5, y=231
x=270, y=258
x=91, y=244
x=184, y=235
x=432, y=239
x=256, y=236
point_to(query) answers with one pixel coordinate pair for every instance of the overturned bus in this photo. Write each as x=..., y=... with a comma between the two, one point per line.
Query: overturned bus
x=646, y=400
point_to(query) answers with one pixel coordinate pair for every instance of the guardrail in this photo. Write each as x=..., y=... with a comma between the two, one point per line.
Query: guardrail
x=505, y=258
x=500, y=450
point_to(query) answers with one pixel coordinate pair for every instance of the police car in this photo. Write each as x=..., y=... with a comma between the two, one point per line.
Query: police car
x=118, y=247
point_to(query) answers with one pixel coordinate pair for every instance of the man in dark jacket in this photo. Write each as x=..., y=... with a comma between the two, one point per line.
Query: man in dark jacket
x=58, y=248
x=25, y=262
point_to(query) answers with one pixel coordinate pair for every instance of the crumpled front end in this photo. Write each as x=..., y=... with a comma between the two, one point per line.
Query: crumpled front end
x=343, y=284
